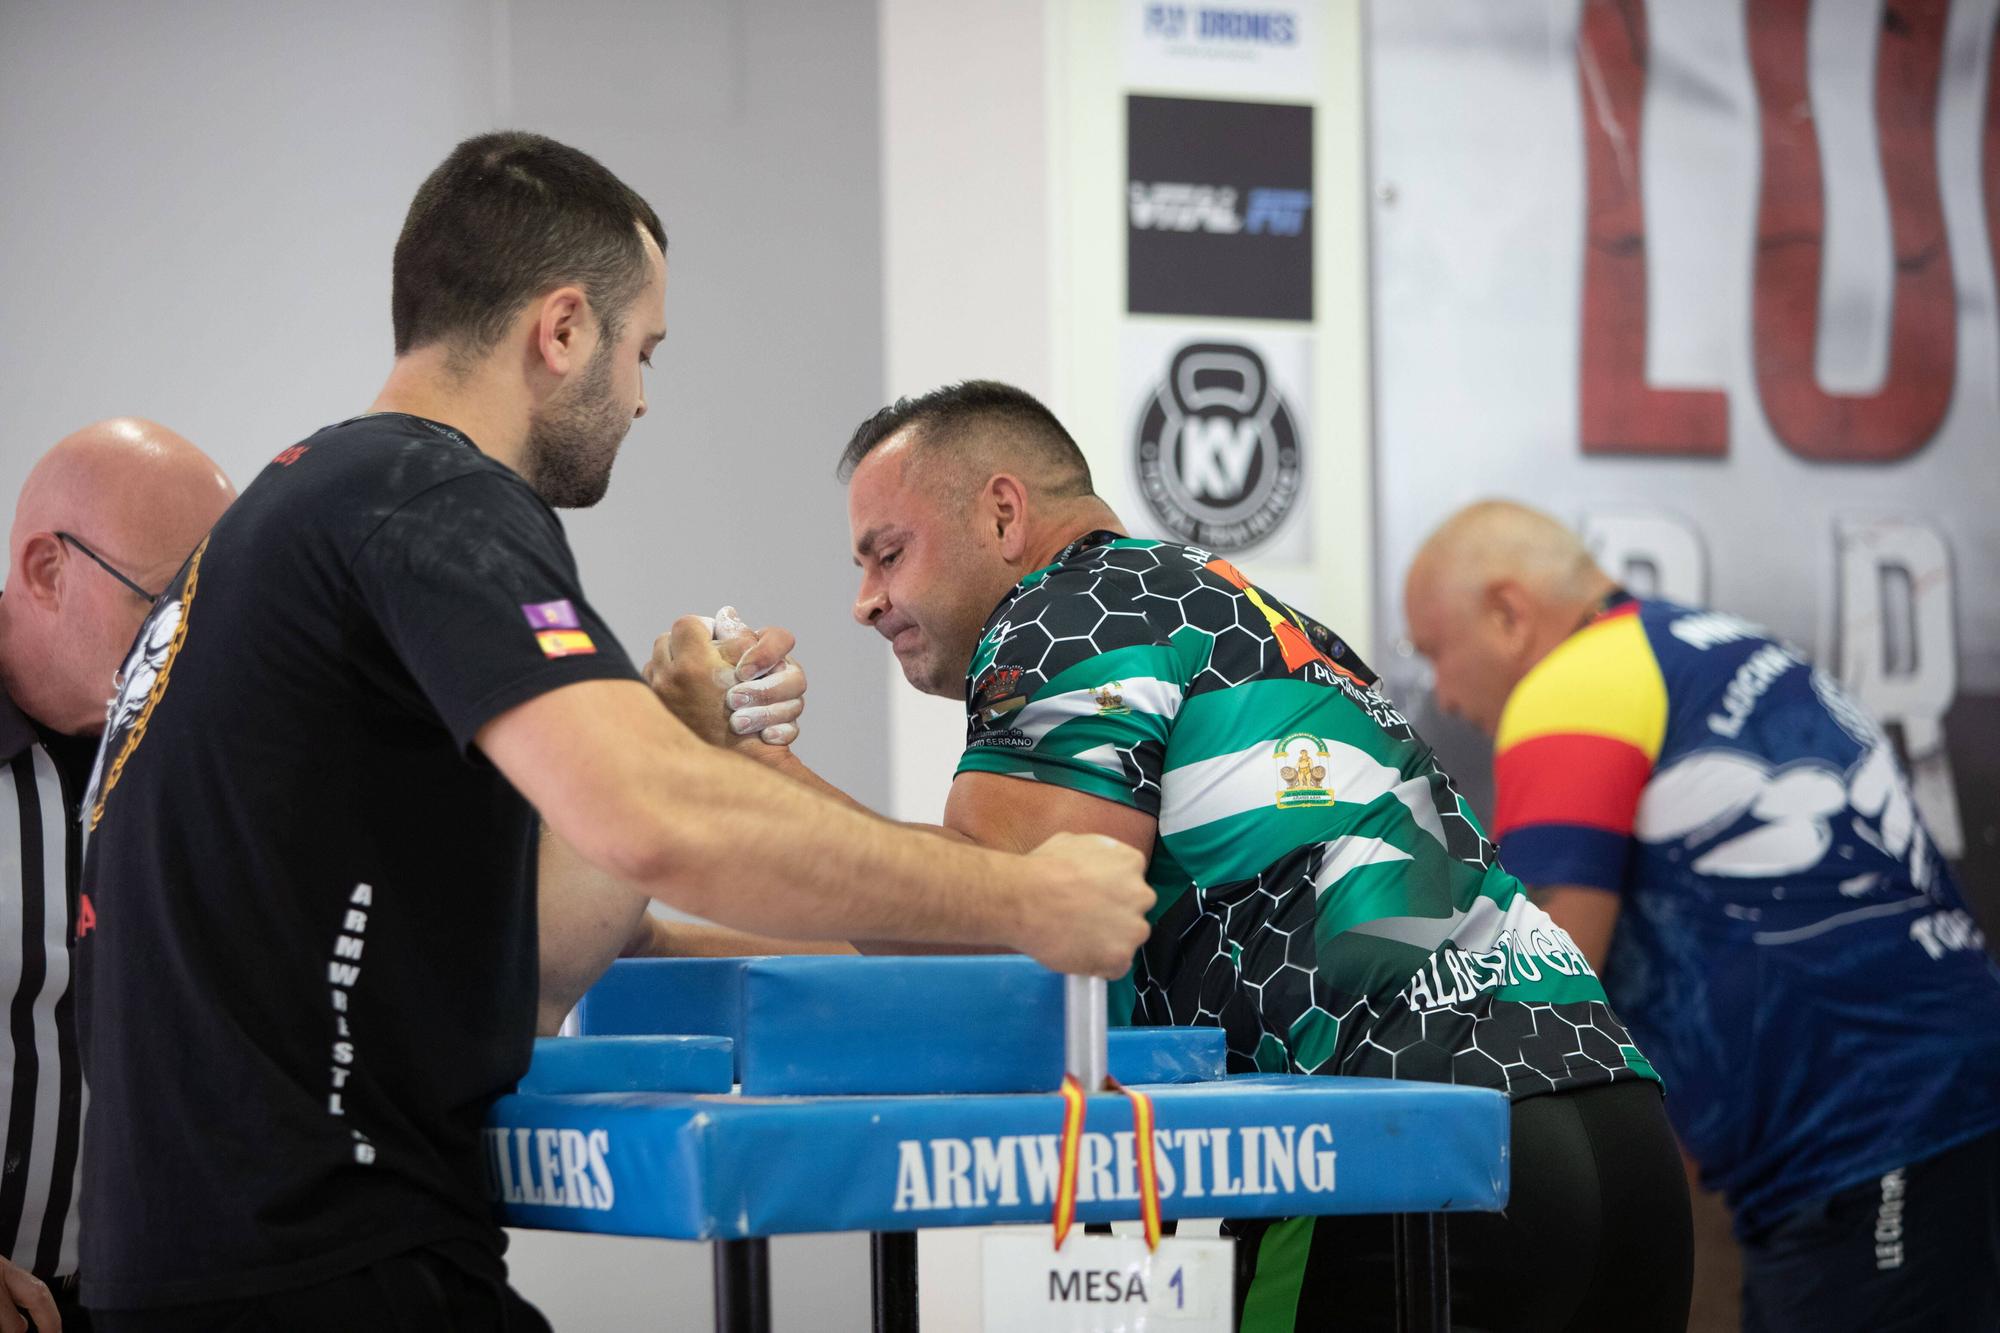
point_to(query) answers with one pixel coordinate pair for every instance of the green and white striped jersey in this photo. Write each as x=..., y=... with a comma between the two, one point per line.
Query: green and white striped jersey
x=1325, y=896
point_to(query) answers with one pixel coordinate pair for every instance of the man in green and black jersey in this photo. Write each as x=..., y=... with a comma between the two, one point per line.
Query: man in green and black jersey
x=1324, y=895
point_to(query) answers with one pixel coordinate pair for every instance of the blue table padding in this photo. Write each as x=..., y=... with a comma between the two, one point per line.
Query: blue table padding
x=845, y=1025
x=722, y=1167
x=938, y=1024
x=630, y=1064
x=644, y=996
x=1167, y=1055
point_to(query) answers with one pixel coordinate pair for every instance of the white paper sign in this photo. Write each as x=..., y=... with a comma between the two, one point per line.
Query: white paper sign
x=1252, y=48
x=1108, y=1284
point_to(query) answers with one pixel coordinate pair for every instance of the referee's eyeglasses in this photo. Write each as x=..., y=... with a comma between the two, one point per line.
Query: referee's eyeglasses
x=108, y=567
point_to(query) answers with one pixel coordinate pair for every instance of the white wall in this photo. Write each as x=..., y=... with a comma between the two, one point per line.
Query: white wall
x=199, y=200
x=968, y=255
x=969, y=260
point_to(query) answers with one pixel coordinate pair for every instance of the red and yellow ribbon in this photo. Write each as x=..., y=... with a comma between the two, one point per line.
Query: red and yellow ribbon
x=1142, y=1143
x=1072, y=1150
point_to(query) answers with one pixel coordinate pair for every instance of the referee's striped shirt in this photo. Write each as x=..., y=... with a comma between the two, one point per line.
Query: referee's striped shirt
x=41, y=1076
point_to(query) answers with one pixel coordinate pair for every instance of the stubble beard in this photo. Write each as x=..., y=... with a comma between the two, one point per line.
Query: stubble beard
x=574, y=441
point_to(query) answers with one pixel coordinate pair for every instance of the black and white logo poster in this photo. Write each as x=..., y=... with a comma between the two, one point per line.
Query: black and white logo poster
x=1219, y=203
x=1219, y=436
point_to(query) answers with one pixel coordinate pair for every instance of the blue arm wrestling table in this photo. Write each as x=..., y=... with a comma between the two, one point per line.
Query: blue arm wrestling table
x=887, y=1095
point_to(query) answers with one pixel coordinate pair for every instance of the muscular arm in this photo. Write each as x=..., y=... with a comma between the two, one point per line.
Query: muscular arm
x=1014, y=814
x=1004, y=813
x=645, y=803
x=642, y=800
x=589, y=919
x=780, y=759
x=1589, y=915
x=1011, y=814
x=660, y=938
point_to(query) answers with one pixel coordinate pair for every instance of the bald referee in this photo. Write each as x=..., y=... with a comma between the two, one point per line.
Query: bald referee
x=104, y=517
x=315, y=812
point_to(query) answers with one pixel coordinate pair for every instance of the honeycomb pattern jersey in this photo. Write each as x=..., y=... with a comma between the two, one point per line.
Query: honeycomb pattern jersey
x=1325, y=896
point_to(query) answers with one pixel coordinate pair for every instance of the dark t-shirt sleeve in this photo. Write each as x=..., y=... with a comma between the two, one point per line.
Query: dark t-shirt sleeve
x=472, y=585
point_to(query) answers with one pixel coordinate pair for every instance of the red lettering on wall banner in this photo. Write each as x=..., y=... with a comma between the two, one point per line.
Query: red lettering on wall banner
x=1903, y=415
x=1620, y=412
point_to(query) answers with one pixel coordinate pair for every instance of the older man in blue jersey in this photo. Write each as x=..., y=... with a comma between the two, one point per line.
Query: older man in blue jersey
x=1731, y=838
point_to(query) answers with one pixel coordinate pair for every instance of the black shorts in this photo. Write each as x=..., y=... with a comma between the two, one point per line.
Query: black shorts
x=422, y=1291
x=1916, y=1249
x=1596, y=1235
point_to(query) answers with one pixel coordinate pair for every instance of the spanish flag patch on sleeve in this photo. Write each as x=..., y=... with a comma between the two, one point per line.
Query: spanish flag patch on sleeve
x=565, y=643
x=557, y=628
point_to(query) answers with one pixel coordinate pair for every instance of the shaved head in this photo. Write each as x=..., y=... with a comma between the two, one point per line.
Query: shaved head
x=1500, y=539
x=131, y=487
x=963, y=433
x=139, y=497
x=1490, y=593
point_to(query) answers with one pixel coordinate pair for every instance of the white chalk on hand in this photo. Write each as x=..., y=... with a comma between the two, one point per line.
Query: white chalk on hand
x=784, y=675
x=729, y=624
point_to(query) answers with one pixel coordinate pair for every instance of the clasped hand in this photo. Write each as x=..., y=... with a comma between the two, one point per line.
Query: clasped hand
x=731, y=685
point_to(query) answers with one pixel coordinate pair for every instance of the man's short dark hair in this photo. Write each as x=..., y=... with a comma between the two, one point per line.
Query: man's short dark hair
x=507, y=217
x=954, y=421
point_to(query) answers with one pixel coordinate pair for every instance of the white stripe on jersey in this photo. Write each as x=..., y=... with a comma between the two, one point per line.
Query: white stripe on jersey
x=1141, y=694
x=1343, y=856
x=1233, y=784
x=1473, y=930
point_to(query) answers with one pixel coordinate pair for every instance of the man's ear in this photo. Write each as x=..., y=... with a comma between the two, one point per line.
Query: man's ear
x=1005, y=506
x=38, y=571
x=1511, y=611
x=562, y=324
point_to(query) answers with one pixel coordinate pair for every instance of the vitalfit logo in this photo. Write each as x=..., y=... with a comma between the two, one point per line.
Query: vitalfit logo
x=1179, y=206
x=1182, y=206
x=1223, y=1163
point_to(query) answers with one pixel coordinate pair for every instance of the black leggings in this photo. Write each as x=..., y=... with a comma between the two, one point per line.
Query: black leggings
x=1596, y=1235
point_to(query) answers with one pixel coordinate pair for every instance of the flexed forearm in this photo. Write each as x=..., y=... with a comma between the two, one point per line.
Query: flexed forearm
x=710, y=832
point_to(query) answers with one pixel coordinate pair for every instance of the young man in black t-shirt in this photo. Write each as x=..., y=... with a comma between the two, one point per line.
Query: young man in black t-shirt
x=313, y=823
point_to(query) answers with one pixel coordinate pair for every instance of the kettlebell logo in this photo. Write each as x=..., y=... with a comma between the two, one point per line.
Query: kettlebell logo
x=1218, y=455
